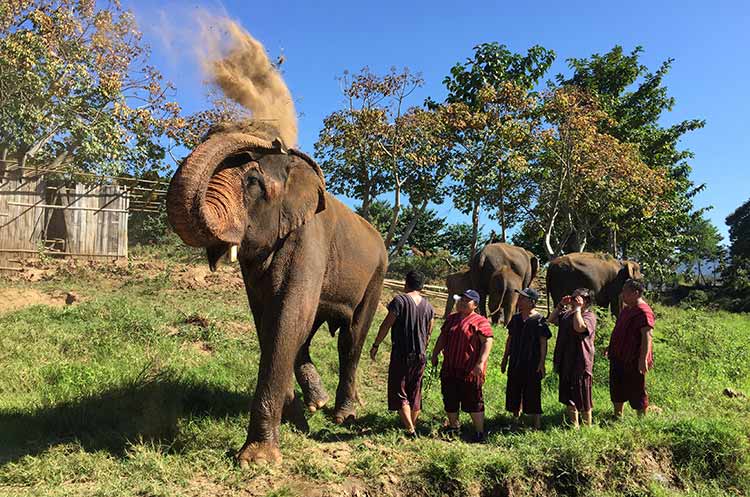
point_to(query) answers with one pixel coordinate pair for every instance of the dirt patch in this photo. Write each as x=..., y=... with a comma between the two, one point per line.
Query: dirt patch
x=13, y=299
x=202, y=347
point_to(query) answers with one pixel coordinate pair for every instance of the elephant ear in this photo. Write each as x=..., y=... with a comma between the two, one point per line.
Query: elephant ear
x=534, y=265
x=627, y=270
x=632, y=269
x=305, y=193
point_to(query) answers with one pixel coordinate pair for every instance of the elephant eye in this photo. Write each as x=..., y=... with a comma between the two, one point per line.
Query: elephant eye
x=252, y=181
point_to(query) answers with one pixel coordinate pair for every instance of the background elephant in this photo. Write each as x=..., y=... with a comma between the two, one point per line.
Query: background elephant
x=491, y=271
x=457, y=283
x=306, y=259
x=600, y=273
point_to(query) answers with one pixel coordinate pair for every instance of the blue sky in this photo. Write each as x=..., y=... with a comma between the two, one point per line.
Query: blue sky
x=709, y=41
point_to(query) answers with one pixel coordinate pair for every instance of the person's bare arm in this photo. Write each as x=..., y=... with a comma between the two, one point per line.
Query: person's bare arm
x=385, y=327
x=541, y=368
x=579, y=325
x=554, y=318
x=483, y=356
x=646, y=344
x=439, y=345
x=506, y=353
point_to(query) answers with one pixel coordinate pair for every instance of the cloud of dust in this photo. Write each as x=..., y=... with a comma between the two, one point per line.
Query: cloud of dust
x=238, y=64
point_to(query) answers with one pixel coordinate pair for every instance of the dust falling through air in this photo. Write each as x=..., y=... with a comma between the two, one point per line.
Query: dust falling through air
x=238, y=64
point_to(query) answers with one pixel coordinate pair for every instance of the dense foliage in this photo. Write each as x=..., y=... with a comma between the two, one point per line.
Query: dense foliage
x=583, y=164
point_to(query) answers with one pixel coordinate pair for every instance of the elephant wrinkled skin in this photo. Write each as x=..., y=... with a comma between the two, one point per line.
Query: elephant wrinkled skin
x=456, y=283
x=602, y=274
x=496, y=272
x=306, y=259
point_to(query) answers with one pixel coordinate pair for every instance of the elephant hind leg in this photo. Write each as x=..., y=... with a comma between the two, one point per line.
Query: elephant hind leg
x=313, y=391
x=350, y=342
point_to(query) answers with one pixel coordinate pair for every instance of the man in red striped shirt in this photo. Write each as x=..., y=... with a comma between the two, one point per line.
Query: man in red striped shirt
x=630, y=351
x=465, y=341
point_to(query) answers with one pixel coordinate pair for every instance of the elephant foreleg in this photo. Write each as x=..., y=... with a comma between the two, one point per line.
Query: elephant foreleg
x=280, y=341
x=448, y=305
x=509, y=305
x=351, y=340
x=313, y=391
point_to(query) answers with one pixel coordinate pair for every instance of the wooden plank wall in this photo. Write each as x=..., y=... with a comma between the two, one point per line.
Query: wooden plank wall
x=21, y=227
x=89, y=221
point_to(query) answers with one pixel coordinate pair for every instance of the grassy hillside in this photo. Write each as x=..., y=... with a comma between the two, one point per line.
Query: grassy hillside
x=142, y=388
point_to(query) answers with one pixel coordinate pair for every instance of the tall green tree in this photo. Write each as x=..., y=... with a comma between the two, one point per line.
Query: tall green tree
x=350, y=144
x=739, y=231
x=701, y=245
x=495, y=86
x=77, y=89
x=637, y=101
x=587, y=178
x=457, y=239
x=379, y=144
x=736, y=275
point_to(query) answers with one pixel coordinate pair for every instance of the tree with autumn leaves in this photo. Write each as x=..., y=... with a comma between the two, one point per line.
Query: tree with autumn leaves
x=581, y=165
x=79, y=93
x=378, y=143
x=77, y=89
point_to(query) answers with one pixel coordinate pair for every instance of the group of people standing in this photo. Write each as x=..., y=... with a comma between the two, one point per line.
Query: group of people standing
x=465, y=342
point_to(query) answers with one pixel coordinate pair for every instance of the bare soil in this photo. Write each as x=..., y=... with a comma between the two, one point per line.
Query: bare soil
x=12, y=299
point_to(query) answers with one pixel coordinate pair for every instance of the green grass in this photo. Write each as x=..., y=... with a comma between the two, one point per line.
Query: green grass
x=127, y=393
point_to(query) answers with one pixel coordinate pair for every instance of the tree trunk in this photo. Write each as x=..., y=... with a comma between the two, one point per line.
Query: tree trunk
x=366, y=201
x=502, y=204
x=3, y=165
x=394, y=216
x=612, y=242
x=548, y=236
x=409, y=228
x=474, y=229
x=582, y=242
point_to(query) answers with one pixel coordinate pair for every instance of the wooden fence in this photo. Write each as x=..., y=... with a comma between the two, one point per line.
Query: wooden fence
x=439, y=294
x=80, y=220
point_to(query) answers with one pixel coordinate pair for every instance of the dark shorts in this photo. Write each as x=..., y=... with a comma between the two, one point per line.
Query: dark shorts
x=461, y=394
x=575, y=391
x=405, y=383
x=627, y=384
x=524, y=392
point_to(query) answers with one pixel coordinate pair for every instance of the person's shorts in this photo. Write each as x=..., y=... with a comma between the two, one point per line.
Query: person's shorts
x=627, y=384
x=575, y=391
x=405, y=383
x=462, y=394
x=524, y=392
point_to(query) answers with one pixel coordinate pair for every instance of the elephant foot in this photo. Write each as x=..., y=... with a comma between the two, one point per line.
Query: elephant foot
x=294, y=413
x=313, y=391
x=313, y=404
x=344, y=415
x=261, y=453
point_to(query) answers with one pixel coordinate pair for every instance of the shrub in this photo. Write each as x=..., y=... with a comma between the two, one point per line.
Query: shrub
x=435, y=267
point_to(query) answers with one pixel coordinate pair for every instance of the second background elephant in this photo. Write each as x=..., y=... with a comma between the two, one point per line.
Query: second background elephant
x=496, y=272
x=600, y=273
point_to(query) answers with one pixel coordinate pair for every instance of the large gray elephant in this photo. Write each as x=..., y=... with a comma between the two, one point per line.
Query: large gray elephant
x=600, y=273
x=496, y=272
x=456, y=283
x=306, y=259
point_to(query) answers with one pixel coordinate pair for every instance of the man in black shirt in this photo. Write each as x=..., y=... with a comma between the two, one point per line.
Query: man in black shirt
x=525, y=352
x=410, y=318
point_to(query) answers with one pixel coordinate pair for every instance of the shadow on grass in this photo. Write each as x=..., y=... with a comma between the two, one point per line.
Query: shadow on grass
x=147, y=410
x=360, y=428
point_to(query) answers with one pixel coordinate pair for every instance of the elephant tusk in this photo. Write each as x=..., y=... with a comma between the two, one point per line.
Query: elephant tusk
x=233, y=253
